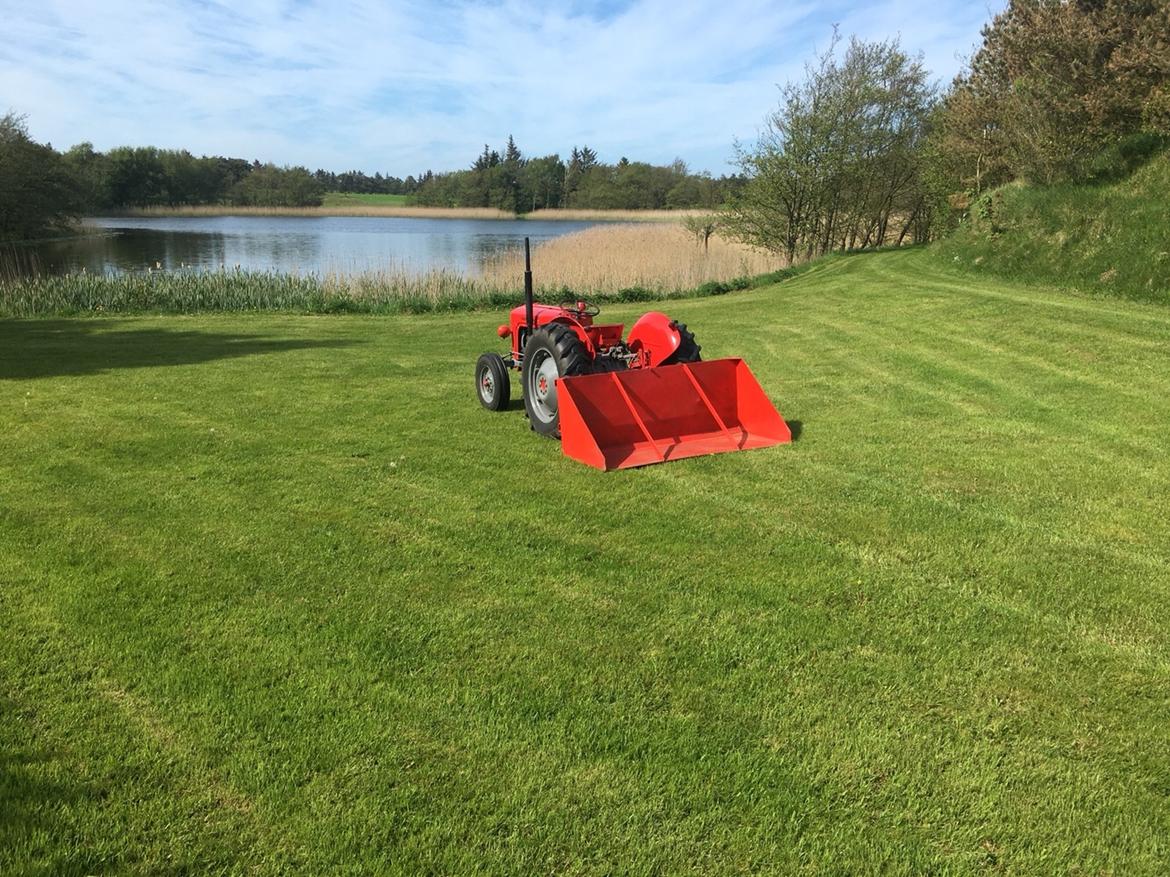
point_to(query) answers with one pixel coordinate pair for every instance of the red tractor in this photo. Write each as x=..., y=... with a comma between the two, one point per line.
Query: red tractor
x=618, y=403
x=564, y=341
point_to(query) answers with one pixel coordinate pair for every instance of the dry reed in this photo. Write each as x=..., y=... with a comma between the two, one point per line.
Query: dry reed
x=575, y=215
x=659, y=258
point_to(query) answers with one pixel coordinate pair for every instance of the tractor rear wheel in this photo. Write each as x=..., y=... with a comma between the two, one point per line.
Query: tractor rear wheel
x=491, y=382
x=688, y=350
x=554, y=351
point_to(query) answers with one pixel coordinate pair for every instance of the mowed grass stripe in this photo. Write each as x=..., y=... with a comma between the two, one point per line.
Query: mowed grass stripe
x=895, y=336
x=1095, y=425
x=1112, y=318
x=416, y=638
x=1087, y=418
x=1074, y=434
x=1021, y=340
x=983, y=392
x=142, y=760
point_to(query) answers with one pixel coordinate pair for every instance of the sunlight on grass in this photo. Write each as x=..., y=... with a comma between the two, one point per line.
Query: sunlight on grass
x=280, y=597
x=349, y=199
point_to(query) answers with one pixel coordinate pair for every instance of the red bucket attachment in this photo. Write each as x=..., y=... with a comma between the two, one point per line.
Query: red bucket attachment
x=617, y=420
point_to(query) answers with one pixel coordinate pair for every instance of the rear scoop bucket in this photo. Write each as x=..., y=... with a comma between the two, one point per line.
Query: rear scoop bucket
x=618, y=420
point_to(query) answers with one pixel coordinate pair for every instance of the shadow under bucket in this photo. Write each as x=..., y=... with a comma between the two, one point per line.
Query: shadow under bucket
x=618, y=420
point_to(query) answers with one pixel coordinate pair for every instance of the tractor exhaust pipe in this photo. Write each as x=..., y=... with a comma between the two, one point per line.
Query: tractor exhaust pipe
x=528, y=288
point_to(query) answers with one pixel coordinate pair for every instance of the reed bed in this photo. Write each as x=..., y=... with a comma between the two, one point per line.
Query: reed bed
x=189, y=291
x=605, y=263
x=659, y=258
x=16, y=262
x=574, y=215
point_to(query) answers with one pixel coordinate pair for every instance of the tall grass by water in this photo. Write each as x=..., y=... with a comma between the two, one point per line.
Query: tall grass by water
x=584, y=215
x=17, y=262
x=659, y=258
x=610, y=263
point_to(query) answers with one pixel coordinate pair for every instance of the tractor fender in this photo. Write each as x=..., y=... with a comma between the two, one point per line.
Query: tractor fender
x=654, y=338
x=578, y=329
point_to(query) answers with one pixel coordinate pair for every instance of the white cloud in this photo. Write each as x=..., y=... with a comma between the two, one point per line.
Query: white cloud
x=406, y=86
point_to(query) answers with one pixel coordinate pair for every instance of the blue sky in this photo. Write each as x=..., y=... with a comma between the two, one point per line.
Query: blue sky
x=400, y=87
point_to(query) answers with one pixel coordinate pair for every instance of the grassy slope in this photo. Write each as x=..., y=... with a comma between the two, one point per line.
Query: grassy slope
x=1111, y=239
x=349, y=199
x=278, y=595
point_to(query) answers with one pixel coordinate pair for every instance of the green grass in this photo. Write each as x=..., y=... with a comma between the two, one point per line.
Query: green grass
x=1109, y=238
x=349, y=199
x=280, y=597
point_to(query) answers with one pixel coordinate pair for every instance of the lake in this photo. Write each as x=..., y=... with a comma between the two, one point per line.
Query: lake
x=317, y=244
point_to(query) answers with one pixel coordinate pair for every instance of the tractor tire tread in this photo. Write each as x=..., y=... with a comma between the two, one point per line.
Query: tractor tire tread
x=494, y=363
x=688, y=349
x=569, y=350
x=572, y=359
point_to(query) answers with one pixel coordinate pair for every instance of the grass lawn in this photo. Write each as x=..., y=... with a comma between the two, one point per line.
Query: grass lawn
x=349, y=199
x=278, y=596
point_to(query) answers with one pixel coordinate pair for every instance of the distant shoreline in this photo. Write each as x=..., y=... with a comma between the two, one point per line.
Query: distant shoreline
x=81, y=230
x=410, y=213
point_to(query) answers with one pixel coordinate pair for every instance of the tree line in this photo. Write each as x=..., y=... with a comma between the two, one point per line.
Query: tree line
x=866, y=150
x=507, y=180
x=42, y=190
x=146, y=176
x=361, y=183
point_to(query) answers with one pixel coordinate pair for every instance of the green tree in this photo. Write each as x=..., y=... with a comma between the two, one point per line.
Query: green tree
x=840, y=160
x=1054, y=83
x=543, y=182
x=581, y=162
x=183, y=176
x=272, y=186
x=38, y=192
x=88, y=168
x=510, y=196
x=703, y=226
x=135, y=177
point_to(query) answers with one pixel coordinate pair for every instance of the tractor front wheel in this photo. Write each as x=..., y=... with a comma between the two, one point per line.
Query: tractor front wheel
x=491, y=382
x=554, y=351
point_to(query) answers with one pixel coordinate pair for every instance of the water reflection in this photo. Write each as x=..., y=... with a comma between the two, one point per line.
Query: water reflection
x=329, y=244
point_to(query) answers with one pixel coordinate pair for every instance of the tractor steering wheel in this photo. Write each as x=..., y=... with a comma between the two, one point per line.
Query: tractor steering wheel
x=580, y=306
